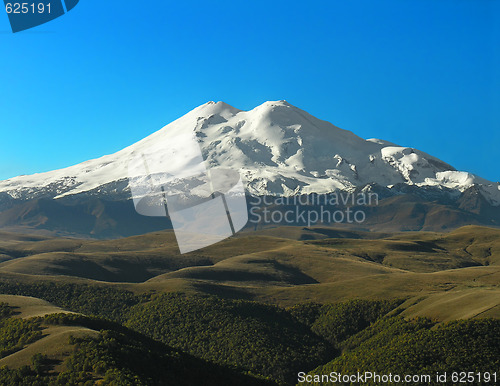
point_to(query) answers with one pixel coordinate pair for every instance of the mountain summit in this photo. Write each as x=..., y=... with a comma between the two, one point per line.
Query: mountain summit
x=278, y=148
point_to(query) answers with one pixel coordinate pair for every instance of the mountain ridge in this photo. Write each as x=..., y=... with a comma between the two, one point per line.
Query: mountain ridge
x=278, y=148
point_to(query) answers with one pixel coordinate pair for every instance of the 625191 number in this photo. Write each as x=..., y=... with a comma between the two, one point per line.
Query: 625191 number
x=20, y=8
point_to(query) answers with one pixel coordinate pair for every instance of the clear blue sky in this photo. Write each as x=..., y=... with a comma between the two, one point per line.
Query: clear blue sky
x=422, y=73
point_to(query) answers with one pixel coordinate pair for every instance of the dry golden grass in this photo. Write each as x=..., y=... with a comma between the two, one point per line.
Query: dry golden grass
x=456, y=304
x=28, y=307
x=284, y=265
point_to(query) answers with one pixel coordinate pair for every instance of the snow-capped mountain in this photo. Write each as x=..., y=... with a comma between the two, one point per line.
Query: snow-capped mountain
x=278, y=150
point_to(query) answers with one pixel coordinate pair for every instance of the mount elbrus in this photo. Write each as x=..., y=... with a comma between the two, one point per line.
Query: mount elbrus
x=279, y=150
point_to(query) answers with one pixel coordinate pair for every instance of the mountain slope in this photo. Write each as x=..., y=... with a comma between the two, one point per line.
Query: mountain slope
x=278, y=149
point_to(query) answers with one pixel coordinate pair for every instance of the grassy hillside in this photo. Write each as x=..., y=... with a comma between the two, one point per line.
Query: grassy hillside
x=282, y=266
x=28, y=335
x=282, y=256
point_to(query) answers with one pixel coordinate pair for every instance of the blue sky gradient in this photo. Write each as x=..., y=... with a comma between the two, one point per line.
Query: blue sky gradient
x=420, y=73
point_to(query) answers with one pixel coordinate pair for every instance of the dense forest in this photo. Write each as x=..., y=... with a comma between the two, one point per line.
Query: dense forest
x=181, y=339
x=394, y=345
x=94, y=300
x=259, y=338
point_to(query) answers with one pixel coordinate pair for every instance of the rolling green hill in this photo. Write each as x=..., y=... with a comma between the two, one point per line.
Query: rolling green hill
x=282, y=266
